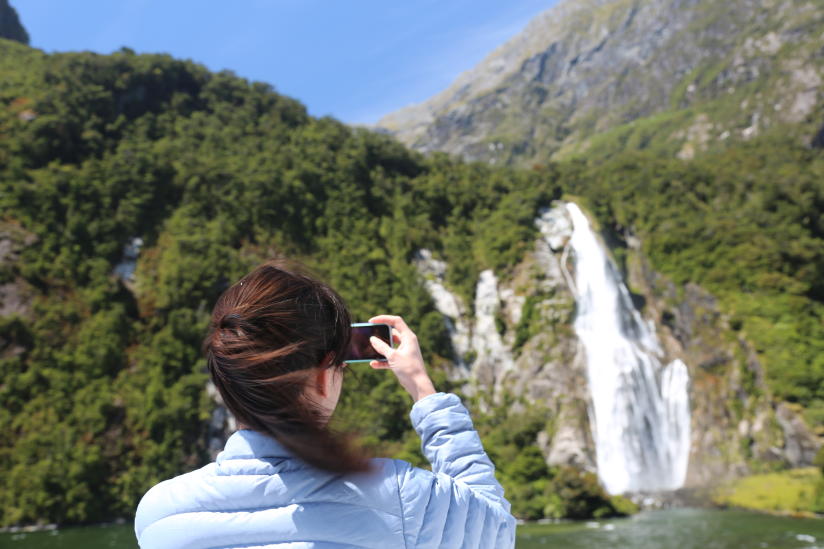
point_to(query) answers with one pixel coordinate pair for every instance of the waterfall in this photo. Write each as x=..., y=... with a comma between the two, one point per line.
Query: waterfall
x=131, y=251
x=640, y=410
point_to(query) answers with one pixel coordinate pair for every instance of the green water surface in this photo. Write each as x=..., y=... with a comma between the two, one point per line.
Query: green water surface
x=679, y=529
x=671, y=529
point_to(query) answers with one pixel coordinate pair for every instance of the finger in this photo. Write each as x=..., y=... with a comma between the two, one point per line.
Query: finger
x=396, y=336
x=378, y=365
x=394, y=321
x=380, y=346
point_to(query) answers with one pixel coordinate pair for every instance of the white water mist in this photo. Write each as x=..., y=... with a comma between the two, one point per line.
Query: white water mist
x=640, y=410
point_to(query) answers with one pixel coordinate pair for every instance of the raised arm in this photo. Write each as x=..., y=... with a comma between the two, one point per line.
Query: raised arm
x=459, y=503
x=453, y=447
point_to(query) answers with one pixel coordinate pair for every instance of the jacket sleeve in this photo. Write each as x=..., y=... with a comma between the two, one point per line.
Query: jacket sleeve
x=459, y=503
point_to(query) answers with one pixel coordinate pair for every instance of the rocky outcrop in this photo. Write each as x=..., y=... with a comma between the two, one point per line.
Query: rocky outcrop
x=492, y=356
x=221, y=424
x=125, y=270
x=15, y=293
x=10, y=26
x=519, y=341
x=800, y=445
x=719, y=69
x=450, y=306
x=736, y=422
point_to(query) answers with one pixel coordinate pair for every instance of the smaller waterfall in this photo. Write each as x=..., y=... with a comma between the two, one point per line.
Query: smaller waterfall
x=640, y=410
x=125, y=269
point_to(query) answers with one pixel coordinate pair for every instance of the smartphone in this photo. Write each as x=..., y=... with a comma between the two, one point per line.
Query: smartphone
x=360, y=349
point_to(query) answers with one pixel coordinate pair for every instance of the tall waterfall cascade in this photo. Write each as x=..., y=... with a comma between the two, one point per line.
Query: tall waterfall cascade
x=639, y=411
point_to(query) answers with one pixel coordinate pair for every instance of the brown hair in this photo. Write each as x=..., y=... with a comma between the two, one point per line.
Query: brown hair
x=268, y=333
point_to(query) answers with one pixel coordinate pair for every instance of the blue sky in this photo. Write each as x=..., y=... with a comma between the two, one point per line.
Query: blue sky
x=353, y=59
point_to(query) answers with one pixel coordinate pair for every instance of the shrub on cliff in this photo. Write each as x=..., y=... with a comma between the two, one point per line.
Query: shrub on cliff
x=579, y=495
x=818, y=502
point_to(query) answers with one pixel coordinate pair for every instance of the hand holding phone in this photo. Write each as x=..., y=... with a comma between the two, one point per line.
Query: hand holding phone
x=360, y=348
x=406, y=360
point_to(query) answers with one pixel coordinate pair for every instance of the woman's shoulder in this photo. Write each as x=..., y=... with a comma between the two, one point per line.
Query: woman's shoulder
x=210, y=488
x=170, y=497
x=379, y=487
x=209, y=494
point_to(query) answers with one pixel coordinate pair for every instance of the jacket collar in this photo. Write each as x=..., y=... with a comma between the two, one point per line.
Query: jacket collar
x=248, y=444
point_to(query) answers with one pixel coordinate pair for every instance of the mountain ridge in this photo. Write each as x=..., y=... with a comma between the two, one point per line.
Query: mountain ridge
x=10, y=25
x=714, y=70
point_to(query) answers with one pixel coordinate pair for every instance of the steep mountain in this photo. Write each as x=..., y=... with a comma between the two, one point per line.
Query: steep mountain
x=599, y=80
x=10, y=26
x=676, y=75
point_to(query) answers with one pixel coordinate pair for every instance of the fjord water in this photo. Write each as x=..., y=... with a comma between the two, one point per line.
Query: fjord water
x=679, y=529
x=671, y=529
x=640, y=409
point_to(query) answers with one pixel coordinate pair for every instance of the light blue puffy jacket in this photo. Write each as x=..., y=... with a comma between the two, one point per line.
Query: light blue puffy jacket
x=257, y=495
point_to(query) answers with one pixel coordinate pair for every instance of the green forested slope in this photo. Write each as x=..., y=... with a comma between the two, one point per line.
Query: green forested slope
x=102, y=382
x=102, y=392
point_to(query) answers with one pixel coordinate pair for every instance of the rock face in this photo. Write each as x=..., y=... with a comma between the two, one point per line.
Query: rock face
x=125, y=270
x=221, y=425
x=492, y=357
x=736, y=423
x=718, y=69
x=10, y=26
x=14, y=291
x=543, y=364
x=521, y=341
x=449, y=305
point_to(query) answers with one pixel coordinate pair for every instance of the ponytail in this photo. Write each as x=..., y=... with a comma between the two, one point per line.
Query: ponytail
x=268, y=334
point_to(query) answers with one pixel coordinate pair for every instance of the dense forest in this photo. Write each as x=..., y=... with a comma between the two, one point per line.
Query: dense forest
x=102, y=391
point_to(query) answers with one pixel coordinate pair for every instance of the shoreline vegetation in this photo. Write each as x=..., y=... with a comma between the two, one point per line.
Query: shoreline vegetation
x=53, y=527
x=797, y=493
x=553, y=524
x=686, y=528
x=794, y=492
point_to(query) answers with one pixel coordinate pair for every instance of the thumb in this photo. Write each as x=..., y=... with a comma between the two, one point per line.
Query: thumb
x=381, y=346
